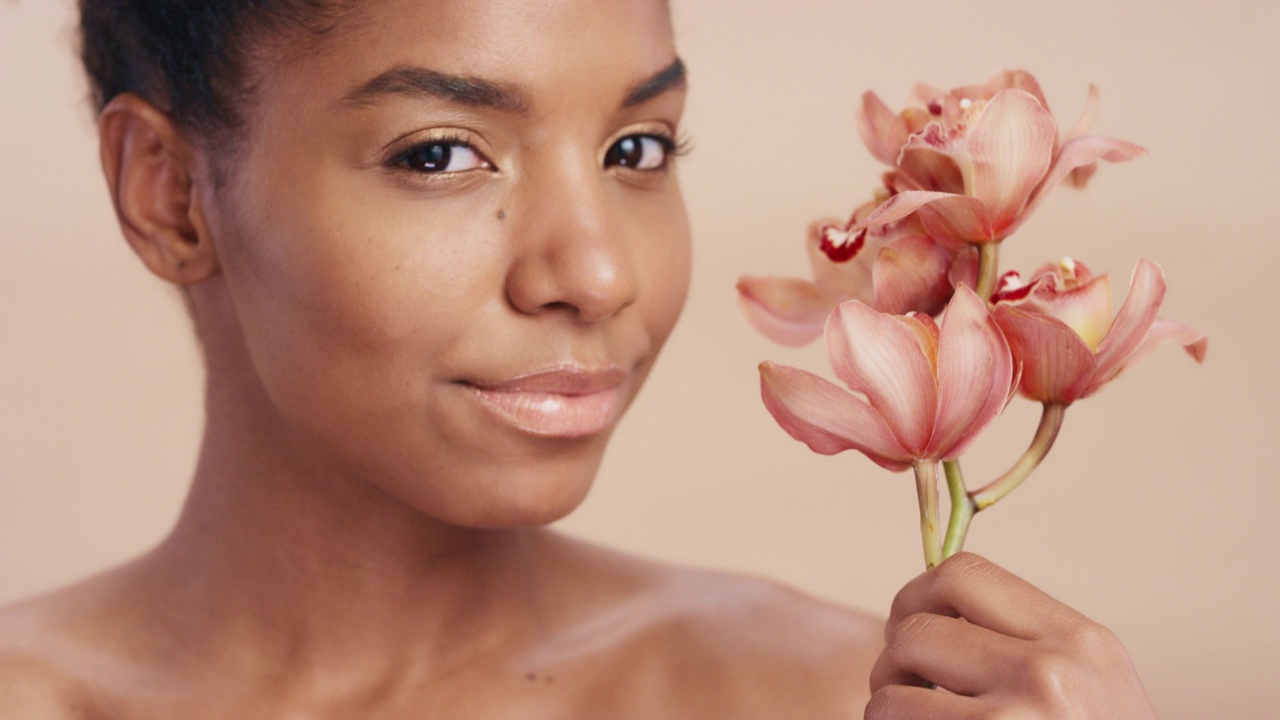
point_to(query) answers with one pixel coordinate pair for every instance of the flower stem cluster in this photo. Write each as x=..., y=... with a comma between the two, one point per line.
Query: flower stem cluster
x=930, y=339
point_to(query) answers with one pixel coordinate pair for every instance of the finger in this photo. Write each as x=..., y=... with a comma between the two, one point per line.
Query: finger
x=985, y=594
x=951, y=653
x=902, y=702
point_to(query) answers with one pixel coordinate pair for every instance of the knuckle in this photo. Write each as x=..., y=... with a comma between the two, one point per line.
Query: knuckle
x=909, y=632
x=1093, y=638
x=1049, y=676
x=885, y=703
x=960, y=569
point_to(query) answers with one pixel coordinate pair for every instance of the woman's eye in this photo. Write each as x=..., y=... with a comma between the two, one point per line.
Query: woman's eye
x=443, y=157
x=639, y=152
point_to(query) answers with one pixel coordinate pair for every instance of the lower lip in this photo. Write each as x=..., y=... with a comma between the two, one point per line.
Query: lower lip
x=551, y=415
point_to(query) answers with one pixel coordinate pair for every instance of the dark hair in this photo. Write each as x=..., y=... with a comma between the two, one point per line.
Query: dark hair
x=189, y=57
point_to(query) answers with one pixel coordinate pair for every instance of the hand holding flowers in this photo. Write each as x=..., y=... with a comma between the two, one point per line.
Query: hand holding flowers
x=967, y=168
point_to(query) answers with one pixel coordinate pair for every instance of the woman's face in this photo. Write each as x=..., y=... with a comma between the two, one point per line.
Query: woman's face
x=453, y=244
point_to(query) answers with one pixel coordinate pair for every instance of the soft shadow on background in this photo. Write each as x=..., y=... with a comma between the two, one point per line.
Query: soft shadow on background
x=1152, y=516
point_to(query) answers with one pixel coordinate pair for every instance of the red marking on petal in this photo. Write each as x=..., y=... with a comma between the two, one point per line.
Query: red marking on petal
x=1010, y=288
x=839, y=246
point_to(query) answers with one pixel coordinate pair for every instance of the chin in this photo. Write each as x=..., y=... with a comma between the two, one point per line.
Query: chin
x=509, y=495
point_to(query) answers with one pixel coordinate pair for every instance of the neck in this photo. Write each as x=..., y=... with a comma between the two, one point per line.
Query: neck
x=276, y=562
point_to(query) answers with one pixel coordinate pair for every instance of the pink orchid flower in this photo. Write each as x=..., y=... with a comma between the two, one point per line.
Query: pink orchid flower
x=976, y=162
x=1060, y=327
x=894, y=268
x=920, y=393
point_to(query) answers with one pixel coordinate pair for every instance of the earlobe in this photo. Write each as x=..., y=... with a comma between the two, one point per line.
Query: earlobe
x=150, y=170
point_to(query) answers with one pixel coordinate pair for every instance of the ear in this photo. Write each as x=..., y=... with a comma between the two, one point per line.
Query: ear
x=151, y=172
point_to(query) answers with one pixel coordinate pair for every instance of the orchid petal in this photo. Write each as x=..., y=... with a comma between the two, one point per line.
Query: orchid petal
x=849, y=279
x=965, y=268
x=1011, y=150
x=1056, y=363
x=957, y=221
x=930, y=167
x=1085, y=308
x=883, y=132
x=1087, y=116
x=788, y=311
x=1075, y=153
x=827, y=418
x=1194, y=342
x=875, y=354
x=975, y=370
x=1133, y=322
x=1016, y=80
x=910, y=275
x=899, y=206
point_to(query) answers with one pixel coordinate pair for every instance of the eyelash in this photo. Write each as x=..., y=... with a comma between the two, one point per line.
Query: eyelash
x=404, y=159
x=672, y=147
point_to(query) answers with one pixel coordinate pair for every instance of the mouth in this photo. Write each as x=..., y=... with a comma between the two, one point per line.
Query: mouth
x=563, y=402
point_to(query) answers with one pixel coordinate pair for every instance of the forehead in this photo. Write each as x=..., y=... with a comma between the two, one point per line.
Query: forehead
x=551, y=49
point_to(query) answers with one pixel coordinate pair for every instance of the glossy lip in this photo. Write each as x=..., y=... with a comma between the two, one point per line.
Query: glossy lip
x=563, y=402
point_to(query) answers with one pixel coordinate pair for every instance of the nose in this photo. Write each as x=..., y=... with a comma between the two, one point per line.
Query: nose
x=570, y=251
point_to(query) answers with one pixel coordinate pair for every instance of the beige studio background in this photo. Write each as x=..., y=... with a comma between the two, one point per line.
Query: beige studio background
x=1154, y=515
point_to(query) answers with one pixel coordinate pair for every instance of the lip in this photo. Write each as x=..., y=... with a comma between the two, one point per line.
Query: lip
x=563, y=402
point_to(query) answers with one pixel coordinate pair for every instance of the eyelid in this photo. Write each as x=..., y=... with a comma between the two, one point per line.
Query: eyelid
x=674, y=143
x=399, y=150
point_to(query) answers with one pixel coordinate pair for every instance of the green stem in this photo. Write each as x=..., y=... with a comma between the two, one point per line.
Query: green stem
x=962, y=510
x=988, y=269
x=927, y=493
x=1050, y=424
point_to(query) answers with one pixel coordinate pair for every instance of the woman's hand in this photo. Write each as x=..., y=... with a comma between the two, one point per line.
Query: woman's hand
x=1001, y=648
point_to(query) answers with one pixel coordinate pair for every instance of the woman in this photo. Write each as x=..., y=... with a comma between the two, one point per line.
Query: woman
x=431, y=250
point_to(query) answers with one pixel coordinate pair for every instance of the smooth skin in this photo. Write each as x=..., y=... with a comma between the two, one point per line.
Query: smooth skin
x=363, y=536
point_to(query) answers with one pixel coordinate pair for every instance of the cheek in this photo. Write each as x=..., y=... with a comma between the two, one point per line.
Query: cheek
x=351, y=306
x=665, y=259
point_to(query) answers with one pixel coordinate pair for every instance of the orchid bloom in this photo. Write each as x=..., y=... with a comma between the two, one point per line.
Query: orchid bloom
x=920, y=393
x=894, y=268
x=976, y=162
x=1060, y=326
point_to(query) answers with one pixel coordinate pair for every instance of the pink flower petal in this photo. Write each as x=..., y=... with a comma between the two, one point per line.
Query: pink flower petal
x=882, y=131
x=910, y=275
x=1087, y=116
x=1011, y=150
x=1133, y=322
x=899, y=206
x=850, y=279
x=1056, y=363
x=788, y=311
x=1162, y=331
x=826, y=418
x=953, y=220
x=1076, y=153
x=875, y=354
x=975, y=371
x=957, y=221
x=1085, y=308
x=1017, y=80
x=965, y=268
x=930, y=167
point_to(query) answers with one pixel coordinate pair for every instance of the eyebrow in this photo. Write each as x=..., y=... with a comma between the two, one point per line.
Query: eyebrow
x=477, y=92
x=671, y=77
x=473, y=92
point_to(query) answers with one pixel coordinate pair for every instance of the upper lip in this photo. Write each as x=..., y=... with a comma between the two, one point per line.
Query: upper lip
x=562, y=380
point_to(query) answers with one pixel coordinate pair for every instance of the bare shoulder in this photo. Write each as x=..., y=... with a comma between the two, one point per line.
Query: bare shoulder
x=38, y=680
x=770, y=646
x=744, y=646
